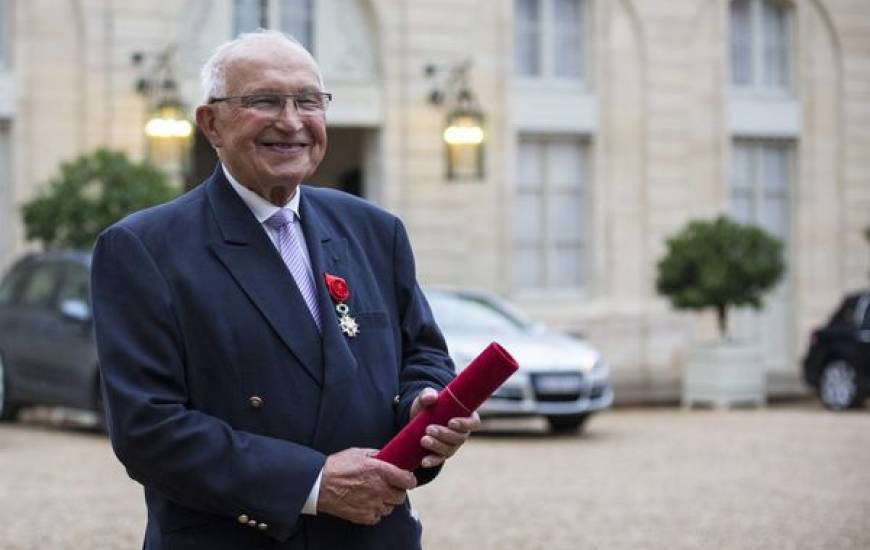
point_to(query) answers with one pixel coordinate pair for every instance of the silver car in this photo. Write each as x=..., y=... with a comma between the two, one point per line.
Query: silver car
x=561, y=378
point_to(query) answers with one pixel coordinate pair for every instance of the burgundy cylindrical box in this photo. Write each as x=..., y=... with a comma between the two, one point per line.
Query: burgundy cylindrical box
x=460, y=398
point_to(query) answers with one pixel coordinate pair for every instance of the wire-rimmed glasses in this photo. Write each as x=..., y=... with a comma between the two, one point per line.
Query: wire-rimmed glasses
x=273, y=104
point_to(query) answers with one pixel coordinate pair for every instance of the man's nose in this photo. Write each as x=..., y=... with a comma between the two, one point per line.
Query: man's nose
x=289, y=115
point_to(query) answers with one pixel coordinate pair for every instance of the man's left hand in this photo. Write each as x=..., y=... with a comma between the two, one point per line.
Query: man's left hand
x=442, y=441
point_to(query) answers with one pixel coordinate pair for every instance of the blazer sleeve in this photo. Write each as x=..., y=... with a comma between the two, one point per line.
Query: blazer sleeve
x=192, y=458
x=425, y=360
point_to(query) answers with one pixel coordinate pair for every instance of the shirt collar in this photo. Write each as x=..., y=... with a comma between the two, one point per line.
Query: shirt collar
x=260, y=207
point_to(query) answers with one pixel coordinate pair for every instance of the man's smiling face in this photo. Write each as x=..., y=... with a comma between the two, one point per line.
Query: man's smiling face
x=270, y=155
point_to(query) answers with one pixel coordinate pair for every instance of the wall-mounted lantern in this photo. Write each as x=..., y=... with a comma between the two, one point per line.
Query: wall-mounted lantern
x=167, y=128
x=158, y=84
x=168, y=121
x=464, y=134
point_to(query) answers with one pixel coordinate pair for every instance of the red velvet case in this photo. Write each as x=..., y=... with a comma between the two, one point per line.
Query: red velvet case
x=460, y=398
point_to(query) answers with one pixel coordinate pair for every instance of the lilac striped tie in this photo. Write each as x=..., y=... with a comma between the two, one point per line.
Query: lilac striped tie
x=288, y=246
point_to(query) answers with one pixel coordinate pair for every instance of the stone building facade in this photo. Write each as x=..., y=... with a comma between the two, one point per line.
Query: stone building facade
x=609, y=124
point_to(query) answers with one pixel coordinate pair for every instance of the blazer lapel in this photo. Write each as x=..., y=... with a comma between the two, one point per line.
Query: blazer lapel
x=328, y=255
x=254, y=262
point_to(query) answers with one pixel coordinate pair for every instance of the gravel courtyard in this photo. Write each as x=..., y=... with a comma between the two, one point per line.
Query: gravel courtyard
x=784, y=477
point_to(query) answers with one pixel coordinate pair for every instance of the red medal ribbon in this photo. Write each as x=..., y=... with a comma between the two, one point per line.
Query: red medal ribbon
x=337, y=288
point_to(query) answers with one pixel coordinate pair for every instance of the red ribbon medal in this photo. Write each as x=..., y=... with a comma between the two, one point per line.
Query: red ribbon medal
x=340, y=292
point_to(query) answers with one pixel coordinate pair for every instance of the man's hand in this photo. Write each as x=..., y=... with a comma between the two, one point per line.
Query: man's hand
x=443, y=441
x=360, y=488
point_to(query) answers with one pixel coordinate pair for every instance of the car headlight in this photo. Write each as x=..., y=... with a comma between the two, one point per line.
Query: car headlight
x=590, y=363
x=600, y=371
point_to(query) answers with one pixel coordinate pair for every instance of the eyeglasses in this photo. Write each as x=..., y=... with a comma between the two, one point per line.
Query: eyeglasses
x=306, y=103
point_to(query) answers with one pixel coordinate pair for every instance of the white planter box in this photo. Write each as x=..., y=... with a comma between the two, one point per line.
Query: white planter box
x=724, y=374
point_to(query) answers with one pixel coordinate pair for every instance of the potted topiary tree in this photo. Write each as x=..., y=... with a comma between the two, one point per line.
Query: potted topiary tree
x=721, y=264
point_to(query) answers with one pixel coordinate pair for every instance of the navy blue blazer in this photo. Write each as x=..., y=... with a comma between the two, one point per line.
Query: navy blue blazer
x=222, y=397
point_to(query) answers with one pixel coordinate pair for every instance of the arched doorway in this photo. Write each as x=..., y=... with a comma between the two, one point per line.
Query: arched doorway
x=345, y=44
x=350, y=163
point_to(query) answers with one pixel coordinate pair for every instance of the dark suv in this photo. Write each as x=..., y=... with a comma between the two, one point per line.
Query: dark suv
x=47, y=351
x=837, y=363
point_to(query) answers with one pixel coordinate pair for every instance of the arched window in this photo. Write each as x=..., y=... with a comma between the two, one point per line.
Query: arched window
x=294, y=17
x=762, y=44
x=551, y=38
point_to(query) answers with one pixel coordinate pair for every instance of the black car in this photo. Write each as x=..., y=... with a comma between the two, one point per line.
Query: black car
x=47, y=350
x=837, y=363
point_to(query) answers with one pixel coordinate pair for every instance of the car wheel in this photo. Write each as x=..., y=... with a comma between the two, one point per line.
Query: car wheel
x=838, y=386
x=8, y=409
x=568, y=423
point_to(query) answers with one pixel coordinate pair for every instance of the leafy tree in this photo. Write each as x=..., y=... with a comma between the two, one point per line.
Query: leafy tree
x=91, y=193
x=719, y=263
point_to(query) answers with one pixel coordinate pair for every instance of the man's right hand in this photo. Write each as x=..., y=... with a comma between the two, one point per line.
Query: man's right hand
x=360, y=488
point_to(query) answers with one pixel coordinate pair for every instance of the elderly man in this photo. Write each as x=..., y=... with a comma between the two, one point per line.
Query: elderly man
x=258, y=339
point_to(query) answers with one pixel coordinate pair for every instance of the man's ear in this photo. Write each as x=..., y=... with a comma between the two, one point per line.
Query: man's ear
x=207, y=122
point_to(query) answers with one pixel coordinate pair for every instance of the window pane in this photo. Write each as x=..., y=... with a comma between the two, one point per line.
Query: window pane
x=846, y=314
x=741, y=166
x=565, y=164
x=742, y=169
x=296, y=20
x=526, y=12
x=11, y=287
x=741, y=207
x=774, y=166
x=550, y=216
x=75, y=284
x=774, y=216
x=775, y=21
x=760, y=182
x=463, y=313
x=527, y=267
x=4, y=34
x=527, y=39
x=566, y=267
x=568, y=39
x=249, y=15
x=39, y=287
x=530, y=170
x=527, y=219
x=741, y=43
x=567, y=218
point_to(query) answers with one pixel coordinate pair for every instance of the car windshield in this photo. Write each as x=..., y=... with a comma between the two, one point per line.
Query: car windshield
x=469, y=313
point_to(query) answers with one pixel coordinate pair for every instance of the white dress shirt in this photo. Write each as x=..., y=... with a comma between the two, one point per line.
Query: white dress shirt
x=263, y=210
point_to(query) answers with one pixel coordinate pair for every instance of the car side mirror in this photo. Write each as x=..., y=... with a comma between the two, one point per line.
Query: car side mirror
x=77, y=310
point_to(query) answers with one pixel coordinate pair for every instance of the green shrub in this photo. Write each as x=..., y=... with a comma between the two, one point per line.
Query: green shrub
x=91, y=193
x=719, y=264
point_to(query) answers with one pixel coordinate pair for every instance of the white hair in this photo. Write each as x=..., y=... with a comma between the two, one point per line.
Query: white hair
x=212, y=77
